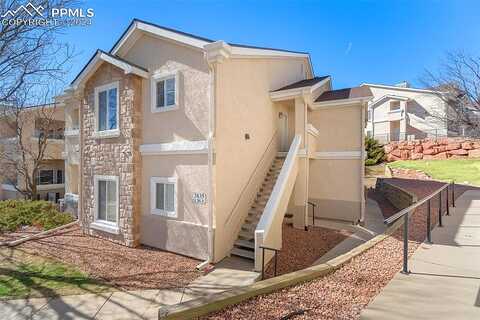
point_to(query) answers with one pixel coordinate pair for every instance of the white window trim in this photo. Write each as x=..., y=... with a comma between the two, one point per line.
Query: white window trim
x=112, y=132
x=153, y=194
x=153, y=91
x=103, y=225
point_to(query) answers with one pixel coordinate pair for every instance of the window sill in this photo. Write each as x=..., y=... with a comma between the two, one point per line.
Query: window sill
x=107, y=134
x=166, y=214
x=105, y=226
x=164, y=109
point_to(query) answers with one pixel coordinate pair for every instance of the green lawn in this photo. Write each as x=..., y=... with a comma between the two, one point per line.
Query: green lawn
x=461, y=171
x=23, y=275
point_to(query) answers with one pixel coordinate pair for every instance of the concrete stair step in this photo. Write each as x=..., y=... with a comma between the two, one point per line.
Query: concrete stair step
x=245, y=235
x=249, y=227
x=243, y=253
x=245, y=244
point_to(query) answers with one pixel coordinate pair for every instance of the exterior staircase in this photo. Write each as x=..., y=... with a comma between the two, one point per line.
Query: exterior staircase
x=244, y=246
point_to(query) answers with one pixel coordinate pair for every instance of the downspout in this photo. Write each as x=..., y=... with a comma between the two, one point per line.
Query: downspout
x=362, y=162
x=211, y=155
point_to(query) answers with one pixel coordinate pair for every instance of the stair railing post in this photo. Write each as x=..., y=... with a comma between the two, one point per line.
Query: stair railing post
x=448, y=201
x=275, y=272
x=405, y=244
x=429, y=232
x=453, y=193
x=263, y=263
x=440, y=224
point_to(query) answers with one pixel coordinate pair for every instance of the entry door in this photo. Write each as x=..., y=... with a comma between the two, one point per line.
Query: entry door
x=283, y=130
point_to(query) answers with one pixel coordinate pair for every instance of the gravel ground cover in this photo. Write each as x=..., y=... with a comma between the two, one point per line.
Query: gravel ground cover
x=300, y=248
x=114, y=264
x=345, y=292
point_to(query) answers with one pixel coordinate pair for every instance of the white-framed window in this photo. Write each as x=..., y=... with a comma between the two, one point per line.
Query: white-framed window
x=370, y=114
x=107, y=107
x=163, y=195
x=50, y=176
x=106, y=203
x=164, y=92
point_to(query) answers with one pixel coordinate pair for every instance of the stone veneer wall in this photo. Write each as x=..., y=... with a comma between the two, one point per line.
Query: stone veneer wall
x=431, y=149
x=119, y=156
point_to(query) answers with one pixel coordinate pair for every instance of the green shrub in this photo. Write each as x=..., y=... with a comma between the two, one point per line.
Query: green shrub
x=42, y=214
x=375, y=152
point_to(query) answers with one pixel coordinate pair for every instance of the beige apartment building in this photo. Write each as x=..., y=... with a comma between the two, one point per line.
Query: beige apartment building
x=51, y=175
x=202, y=147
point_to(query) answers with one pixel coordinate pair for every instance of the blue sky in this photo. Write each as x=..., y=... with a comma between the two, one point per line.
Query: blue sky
x=354, y=41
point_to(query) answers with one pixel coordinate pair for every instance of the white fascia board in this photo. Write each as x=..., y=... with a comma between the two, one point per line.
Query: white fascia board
x=102, y=57
x=198, y=43
x=400, y=88
x=296, y=92
x=388, y=97
x=128, y=68
x=340, y=103
x=245, y=51
x=286, y=94
x=177, y=147
x=320, y=84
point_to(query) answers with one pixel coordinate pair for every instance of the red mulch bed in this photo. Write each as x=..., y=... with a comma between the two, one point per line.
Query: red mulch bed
x=300, y=248
x=345, y=292
x=117, y=265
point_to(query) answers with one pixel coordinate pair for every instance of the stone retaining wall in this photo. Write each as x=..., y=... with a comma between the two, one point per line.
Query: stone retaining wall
x=397, y=196
x=432, y=149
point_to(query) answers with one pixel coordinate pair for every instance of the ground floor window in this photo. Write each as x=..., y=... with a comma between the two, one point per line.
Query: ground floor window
x=106, y=199
x=163, y=194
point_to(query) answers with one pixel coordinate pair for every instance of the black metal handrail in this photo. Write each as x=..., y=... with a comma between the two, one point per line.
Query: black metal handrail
x=405, y=215
x=263, y=260
x=313, y=209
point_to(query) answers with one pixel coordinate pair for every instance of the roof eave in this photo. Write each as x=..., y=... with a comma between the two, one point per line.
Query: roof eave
x=360, y=101
x=100, y=57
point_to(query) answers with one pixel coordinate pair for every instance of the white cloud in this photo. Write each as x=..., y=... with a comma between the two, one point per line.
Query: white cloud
x=349, y=48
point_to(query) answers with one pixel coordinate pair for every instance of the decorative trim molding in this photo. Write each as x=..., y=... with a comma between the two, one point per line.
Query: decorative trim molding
x=338, y=155
x=312, y=130
x=177, y=147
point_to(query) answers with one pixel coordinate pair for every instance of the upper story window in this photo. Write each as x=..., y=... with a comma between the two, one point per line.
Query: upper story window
x=164, y=92
x=107, y=108
x=370, y=114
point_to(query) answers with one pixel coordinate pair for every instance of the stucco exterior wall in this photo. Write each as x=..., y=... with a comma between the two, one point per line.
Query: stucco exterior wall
x=53, y=151
x=335, y=184
x=186, y=234
x=118, y=156
x=190, y=120
x=423, y=111
x=244, y=107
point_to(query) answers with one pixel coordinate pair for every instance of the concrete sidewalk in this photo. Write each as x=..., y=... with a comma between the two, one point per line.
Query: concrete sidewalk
x=445, y=276
x=126, y=305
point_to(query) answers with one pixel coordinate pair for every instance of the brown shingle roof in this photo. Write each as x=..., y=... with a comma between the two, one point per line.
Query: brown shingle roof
x=347, y=93
x=302, y=83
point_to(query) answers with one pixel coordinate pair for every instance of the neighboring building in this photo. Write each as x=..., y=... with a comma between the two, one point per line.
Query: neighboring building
x=201, y=147
x=50, y=178
x=399, y=113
